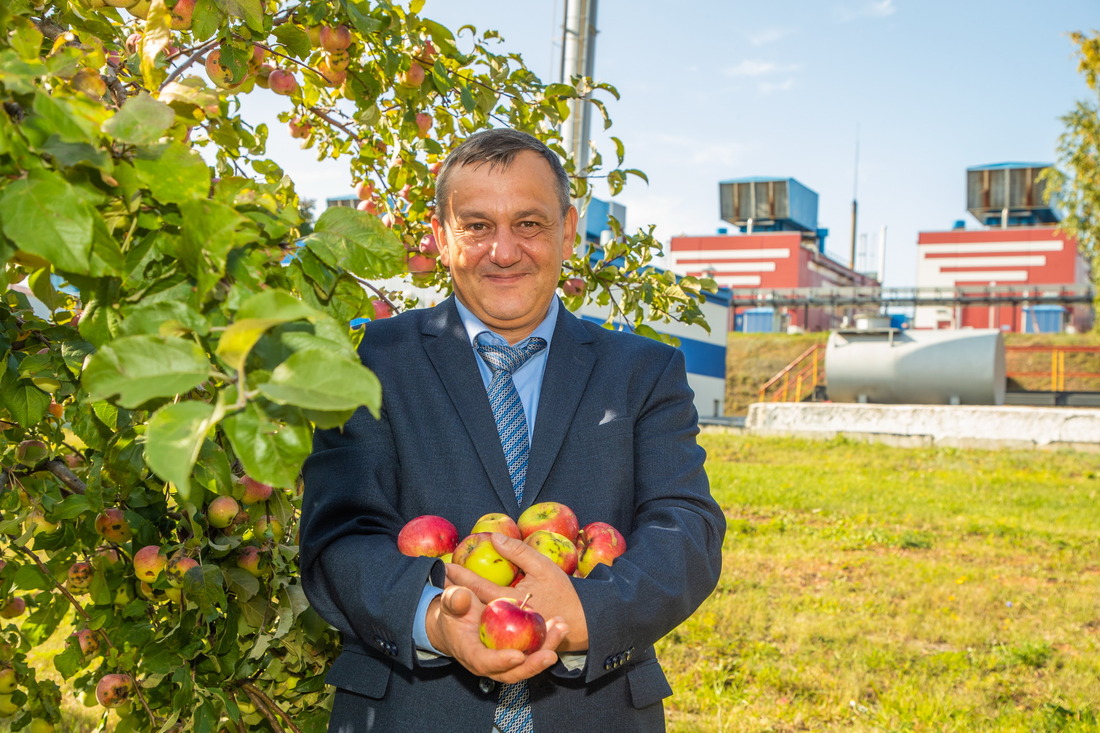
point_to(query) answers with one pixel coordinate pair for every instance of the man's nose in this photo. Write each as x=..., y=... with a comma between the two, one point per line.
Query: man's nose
x=506, y=251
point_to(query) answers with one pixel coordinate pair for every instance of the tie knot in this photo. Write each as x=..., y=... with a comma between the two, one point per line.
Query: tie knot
x=509, y=358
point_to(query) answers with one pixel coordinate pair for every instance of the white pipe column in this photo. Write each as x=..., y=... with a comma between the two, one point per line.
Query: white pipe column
x=578, y=59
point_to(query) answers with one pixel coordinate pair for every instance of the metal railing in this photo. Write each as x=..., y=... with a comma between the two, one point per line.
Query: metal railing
x=799, y=378
x=1056, y=376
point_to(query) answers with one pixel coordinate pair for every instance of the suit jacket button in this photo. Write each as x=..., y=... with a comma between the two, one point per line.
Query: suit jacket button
x=486, y=685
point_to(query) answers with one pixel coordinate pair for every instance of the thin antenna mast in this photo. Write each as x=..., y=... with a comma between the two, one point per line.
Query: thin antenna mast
x=855, y=206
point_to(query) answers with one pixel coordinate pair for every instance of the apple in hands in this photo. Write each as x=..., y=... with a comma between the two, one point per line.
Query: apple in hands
x=552, y=516
x=508, y=624
x=497, y=522
x=477, y=553
x=427, y=536
x=598, y=543
x=556, y=547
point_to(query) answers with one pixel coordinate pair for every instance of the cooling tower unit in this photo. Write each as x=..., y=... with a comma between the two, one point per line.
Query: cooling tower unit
x=891, y=366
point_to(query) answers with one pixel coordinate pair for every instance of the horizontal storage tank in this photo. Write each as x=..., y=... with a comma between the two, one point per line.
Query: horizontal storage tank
x=891, y=366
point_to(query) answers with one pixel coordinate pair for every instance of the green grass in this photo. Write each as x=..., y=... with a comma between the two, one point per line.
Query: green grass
x=873, y=588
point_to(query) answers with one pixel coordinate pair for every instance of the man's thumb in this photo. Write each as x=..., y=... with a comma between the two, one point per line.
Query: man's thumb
x=456, y=600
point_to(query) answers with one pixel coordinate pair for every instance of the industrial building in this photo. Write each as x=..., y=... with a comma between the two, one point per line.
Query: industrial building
x=779, y=248
x=1039, y=279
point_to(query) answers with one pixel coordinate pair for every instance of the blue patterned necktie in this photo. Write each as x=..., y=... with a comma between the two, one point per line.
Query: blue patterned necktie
x=513, y=713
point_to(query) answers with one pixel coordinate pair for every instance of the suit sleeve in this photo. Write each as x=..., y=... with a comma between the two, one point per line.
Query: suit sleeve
x=351, y=570
x=674, y=555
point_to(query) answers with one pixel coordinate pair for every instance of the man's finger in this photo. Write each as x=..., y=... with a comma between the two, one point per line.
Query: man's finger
x=520, y=553
x=457, y=600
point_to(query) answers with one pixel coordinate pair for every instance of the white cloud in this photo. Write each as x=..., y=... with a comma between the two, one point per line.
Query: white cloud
x=869, y=9
x=769, y=35
x=755, y=67
x=771, y=87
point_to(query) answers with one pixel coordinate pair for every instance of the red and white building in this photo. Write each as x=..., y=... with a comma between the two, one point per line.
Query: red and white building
x=1022, y=253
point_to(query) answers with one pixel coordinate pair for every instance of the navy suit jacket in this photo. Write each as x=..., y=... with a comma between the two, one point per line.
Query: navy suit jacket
x=614, y=440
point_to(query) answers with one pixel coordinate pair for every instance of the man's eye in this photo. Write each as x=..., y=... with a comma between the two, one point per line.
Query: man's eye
x=476, y=227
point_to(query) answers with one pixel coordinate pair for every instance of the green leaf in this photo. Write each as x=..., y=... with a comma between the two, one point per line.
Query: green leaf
x=141, y=368
x=205, y=586
x=156, y=34
x=24, y=402
x=173, y=439
x=141, y=121
x=294, y=39
x=210, y=230
x=69, y=661
x=316, y=380
x=272, y=451
x=164, y=318
x=72, y=506
x=255, y=317
x=250, y=11
x=357, y=242
x=173, y=173
x=44, y=216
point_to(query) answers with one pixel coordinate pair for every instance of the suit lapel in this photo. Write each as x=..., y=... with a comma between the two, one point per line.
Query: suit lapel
x=570, y=362
x=448, y=348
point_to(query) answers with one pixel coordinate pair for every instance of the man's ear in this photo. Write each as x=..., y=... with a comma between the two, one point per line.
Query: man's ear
x=440, y=233
x=570, y=233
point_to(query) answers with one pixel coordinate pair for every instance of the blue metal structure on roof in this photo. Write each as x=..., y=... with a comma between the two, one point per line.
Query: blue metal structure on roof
x=763, y=204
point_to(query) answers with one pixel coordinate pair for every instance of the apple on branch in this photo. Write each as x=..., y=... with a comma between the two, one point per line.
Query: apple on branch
x=427, y=536
x=114, y=689
x=508, y=624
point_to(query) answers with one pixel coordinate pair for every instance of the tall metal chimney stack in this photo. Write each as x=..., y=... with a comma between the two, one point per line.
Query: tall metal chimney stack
x=578, y=58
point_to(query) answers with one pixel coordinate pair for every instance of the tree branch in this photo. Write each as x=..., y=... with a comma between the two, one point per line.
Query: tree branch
x=269, y=708
x=67, y=477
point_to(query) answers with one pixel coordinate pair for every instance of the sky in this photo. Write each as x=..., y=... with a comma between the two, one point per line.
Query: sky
x=719, y=89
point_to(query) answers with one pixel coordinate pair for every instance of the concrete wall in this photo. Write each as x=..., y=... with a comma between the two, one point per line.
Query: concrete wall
x=962, y=426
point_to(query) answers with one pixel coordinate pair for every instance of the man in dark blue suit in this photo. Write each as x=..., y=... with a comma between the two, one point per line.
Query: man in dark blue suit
x=611, y=431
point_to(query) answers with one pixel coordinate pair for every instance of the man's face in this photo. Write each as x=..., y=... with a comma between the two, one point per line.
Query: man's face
x=504, y=242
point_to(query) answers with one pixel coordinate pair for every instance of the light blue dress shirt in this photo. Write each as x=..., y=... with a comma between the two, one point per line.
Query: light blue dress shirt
x=528, y=381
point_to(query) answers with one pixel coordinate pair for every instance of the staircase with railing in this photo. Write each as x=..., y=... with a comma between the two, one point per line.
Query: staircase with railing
x=798, y=380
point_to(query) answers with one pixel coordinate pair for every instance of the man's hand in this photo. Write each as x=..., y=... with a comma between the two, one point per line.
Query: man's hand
x=552, y=592
x=452, y=626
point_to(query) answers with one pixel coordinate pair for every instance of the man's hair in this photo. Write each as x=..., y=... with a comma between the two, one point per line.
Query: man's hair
x=498, y=147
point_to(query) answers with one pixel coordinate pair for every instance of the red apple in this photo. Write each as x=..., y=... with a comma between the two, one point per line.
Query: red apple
x=419, y=263
x=282, y=82
x=497, y=522
x=335, y=39
x=9, y=680
x=427, y=536
x=332, y=77
x=132, y=42
x=556, y=547
x=80, y=576
x=14, y=607
x=219, y=74
x=88, y=641
x=364, y=190
x=181, y=14
x=414, y=77
x=370, y=206
x=381, y=308
x=250, y=560
x=114, y=689
x=574, y=286
x=338, y=60
x=423, y=123
x=478, y=554
x=508, y=624
x=599, y=543
x=149, y=561
x=222, y=511
x=552, y=516
x=254, y=491
x=111, y=524
x=429, y=246
x=299, y=128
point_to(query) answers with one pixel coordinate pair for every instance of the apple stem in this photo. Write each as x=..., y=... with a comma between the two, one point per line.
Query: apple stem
x=524, y=603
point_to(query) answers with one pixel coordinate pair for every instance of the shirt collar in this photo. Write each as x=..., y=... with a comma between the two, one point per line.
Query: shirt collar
x=474, y=326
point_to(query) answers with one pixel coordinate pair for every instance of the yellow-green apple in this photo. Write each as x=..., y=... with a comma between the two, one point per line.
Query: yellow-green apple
x=36, y=522
x=282, y=82
x=412, y=78
x=80, y=576
x=423, y=123
x=7, y=706
x=556, y=547
x=121, y=3
x=599, y=543
x=123, y=596
x=508, y=624
x=140, y=9
x=177, y=567
x=149, y=561
x=427, y=536
x=266, y=524
x=256, y=60
x=9, y=681
x=497, y=522
x=159, y=595
x=254, y=491
x=335, y=39
x=114, y=689
x=332, y=77
x=299, y=128
x=13, y=608
x=550, y=515
x=249, y=559
x=219, y=74
x=111, y=524
x=338, y=60
x=31, y=452
x=482, y=557
x=38, y=725
x=314, y=33
x=263, y=76
x=573, y=286
x=222, y=511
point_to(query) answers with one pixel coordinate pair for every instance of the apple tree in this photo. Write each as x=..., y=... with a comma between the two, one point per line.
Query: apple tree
x=172, y=330
x=1078, y=192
